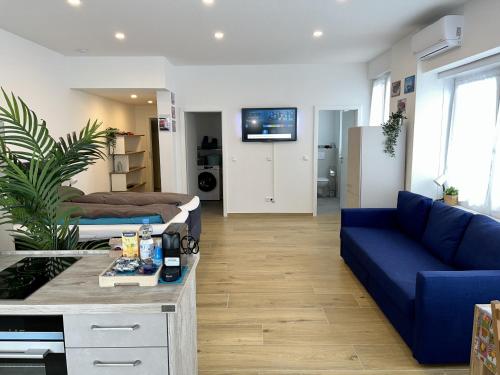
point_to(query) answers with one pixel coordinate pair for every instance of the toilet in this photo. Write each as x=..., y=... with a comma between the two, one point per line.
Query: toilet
x=323, y=187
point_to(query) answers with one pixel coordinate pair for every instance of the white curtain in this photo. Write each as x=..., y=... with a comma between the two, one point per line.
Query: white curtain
x=379, y=110
x=473, y=162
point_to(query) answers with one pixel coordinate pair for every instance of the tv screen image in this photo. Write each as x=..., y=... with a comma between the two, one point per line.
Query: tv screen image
x=269, y=124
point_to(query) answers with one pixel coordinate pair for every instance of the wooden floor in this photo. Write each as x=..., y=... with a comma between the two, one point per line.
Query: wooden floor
x=274, y=297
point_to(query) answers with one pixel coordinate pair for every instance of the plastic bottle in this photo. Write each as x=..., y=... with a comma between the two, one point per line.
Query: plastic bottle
x=147, y=243
x=158, y=253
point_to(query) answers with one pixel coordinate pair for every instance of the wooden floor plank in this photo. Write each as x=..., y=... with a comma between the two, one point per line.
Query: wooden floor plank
x=275, y=298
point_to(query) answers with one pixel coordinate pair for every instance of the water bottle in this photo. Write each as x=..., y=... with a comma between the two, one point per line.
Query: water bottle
x=147, y=243
x=158, y=253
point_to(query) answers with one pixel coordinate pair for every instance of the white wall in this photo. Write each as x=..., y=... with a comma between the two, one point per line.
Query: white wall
x=285, y=170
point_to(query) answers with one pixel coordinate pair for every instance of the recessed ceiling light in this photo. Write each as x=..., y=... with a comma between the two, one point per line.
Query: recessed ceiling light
x=133, y=96
x=120, y=36
x=150, y=102
x=219, y=35
x=74, y=3
x=82, y=50
x=208, y=2
x=318, y=34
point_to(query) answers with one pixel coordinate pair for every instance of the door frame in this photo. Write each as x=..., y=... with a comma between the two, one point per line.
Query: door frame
x=225, y=151
x=317, y=109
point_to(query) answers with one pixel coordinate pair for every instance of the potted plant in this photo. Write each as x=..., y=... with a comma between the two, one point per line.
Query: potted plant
x=451, y=196
x=33, y=167
x=392, y=129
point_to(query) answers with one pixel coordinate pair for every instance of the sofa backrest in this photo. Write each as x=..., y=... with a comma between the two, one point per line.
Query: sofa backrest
x=480, y=246
x=445, y=228
x=412, y=213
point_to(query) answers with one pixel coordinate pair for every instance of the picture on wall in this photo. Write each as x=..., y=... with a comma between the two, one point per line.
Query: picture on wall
x=165, y=123
x=409, y=84
x=173, y=112
x=174, y=126
x=402, y=105
x=172, y=97
x=396, y=89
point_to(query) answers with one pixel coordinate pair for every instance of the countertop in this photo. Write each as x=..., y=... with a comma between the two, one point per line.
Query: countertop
x=77, y=291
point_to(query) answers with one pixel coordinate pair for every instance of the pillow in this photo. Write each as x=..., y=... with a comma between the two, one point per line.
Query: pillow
x=480, y=247
x=67, y=193
x=412, y=213
x=445, y=229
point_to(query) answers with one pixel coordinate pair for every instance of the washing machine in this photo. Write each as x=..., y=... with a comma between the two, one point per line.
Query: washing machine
x=209, y=183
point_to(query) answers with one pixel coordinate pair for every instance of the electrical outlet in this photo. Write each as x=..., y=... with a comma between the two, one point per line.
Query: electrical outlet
x=272, y=200
x=269, y=199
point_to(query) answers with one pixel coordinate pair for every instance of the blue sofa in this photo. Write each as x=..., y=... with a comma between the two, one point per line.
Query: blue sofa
x=426, y=265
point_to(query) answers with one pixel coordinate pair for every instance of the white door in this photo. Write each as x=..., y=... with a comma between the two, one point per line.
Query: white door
x=348, y=119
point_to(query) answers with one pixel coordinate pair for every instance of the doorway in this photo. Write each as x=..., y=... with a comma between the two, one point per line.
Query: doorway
x=204, y=158
x=155, y=155
x=332, y=129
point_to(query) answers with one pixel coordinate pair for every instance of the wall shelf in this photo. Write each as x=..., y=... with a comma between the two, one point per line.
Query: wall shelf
x=128, y=164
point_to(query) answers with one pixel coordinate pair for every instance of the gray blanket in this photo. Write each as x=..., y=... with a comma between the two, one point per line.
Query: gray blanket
x=136, y=199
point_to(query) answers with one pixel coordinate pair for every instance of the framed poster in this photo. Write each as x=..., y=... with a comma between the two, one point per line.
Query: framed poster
x=172, y=97
x=409, y=84
x=396, y=89
x=402, y=105
x=165, y=123
x=173, y=112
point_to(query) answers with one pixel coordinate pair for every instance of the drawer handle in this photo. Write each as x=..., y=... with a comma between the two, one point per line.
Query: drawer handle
x=135, y=327
x=117, y=364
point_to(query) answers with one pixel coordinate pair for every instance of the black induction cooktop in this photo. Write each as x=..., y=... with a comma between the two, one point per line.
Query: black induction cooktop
x=23, y=278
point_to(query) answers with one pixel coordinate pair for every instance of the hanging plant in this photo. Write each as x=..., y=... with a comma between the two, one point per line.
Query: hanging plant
x=392, y=130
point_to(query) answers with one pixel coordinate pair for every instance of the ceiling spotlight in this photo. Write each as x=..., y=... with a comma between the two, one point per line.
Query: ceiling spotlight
x=74, y=3
x=219, y=35
x=208, y=2
x=82, y=50
x=318, y=34
x=133, y=96
x=120, y=36
x=150, y=102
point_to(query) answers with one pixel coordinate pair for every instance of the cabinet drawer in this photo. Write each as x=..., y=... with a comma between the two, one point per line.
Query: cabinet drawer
x=121, y=361
x=115, y=331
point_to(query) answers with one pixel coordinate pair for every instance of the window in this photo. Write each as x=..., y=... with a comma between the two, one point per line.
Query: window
x=473, y=158
x=381, y=100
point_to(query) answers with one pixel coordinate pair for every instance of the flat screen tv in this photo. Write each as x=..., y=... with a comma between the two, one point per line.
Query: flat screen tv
x=269, y=124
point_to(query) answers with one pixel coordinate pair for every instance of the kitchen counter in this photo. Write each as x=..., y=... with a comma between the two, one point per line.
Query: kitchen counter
x=77, y=291
x=121, y=330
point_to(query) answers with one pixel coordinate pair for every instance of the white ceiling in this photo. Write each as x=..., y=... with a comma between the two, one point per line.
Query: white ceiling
x=123, y=95
x=256, y=31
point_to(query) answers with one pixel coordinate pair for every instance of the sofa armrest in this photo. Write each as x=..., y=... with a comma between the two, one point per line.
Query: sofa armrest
x=444, y=312
x=368, y=217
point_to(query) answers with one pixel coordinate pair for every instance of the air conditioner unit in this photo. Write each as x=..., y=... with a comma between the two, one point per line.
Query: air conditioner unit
x=438, y=38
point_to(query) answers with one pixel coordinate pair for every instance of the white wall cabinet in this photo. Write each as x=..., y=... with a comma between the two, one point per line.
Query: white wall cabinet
x=374, y=178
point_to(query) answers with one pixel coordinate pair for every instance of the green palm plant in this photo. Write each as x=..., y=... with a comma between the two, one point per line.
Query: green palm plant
x=33, y=167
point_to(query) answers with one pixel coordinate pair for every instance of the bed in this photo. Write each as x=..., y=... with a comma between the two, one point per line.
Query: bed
x=106, y=215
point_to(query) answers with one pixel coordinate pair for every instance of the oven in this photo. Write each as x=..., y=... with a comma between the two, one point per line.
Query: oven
x=32, y=345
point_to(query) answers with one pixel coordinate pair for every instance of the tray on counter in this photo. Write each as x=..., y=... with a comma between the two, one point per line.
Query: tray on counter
x=127, y=278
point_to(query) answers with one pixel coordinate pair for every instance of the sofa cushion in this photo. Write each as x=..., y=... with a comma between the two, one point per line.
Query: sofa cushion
x=413, y=211
x=393, y=260
x=479, y=249
x=445, y=229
